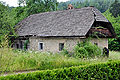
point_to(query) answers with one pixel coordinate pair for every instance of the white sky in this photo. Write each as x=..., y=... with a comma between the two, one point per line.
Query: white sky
x=15, y=2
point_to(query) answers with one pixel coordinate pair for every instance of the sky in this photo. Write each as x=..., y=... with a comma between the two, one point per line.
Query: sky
x=15, y=2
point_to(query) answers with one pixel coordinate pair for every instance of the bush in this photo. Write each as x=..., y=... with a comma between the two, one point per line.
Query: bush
x=109, y=71
x=86, y=49
x=64, y=52
x=80, y=52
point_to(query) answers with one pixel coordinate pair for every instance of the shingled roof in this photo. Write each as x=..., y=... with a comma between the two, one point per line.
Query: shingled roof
x=74, y=22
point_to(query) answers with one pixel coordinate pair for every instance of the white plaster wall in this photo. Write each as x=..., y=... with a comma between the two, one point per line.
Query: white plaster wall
x=52, y=44
x=102, y=42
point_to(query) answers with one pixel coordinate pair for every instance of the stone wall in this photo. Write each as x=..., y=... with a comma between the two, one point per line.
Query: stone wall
x=52, y=44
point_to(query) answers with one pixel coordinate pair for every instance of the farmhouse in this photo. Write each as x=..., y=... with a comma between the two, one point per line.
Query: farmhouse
x=53, y=31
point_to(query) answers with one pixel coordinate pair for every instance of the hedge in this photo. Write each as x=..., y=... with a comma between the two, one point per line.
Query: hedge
x=108, y=71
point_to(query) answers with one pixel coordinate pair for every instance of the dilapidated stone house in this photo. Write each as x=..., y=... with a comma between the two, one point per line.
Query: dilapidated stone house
x=53, y=31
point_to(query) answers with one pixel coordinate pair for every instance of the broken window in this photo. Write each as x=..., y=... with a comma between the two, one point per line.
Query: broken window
x=21, y=45
x=17, y=46
x=61, y=46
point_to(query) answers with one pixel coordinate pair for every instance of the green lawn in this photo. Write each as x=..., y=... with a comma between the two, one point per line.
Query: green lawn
x=11, y=60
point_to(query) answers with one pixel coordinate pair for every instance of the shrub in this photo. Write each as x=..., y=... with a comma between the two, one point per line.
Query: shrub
x=80, y=52
x=64, y=52
x=86, y=49
x=109, y=71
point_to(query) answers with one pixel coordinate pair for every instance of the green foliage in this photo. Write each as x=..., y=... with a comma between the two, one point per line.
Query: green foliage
x=21, y=2
x=80, y=52
x=109, y=71
x=114, y=44
x=9, y=17
x=6, y=26
x=86, y=49
x=64, y=52
x=32, y=7
x=115, y=8
x=102, y=5
x=37, y=6
x=25, y=44
x=17, y=60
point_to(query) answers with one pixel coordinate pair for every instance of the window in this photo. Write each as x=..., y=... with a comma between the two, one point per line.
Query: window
x=61, y=46
x=40, y=46
x=26, y=44
x=17, y=46
x=96, y=44
x=21, y=45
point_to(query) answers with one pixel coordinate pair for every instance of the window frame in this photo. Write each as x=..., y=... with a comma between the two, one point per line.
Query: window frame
x=60, y=46
x=39, y=46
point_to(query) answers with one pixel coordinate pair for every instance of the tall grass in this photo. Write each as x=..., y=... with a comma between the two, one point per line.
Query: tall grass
x=11, y=60
x=114, y=55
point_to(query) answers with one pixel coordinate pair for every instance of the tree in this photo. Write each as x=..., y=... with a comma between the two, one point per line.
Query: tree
x=114, y=44
x=32, y=7
x=6, y=29
x=21, y=2
x=9, y=17
x=102, y=5
x=115, y=8
x=37, y=6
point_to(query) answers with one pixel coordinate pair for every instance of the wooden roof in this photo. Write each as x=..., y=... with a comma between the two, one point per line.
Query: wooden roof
x=74, y=22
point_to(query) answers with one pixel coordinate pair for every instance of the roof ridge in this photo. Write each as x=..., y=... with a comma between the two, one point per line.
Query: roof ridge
x=94, y=14
x=61, y=10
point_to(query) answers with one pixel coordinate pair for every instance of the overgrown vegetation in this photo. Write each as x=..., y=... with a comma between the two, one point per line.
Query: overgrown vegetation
x=15, y=60
x=9, y=17
x=86, y=49
x=114, y=44
x=6, y=26
x=109, y=71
